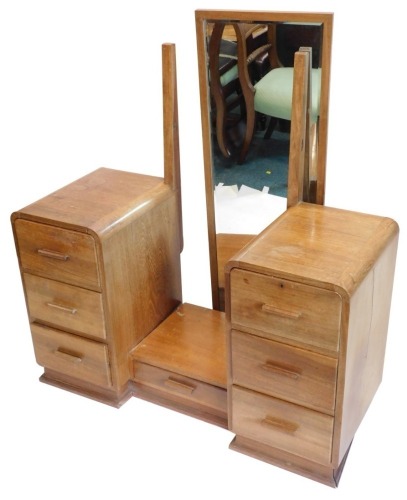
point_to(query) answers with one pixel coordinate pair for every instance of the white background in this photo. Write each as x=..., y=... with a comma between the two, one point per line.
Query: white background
x=80, y=88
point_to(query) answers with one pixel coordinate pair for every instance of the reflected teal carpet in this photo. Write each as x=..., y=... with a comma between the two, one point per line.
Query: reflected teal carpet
x=266, y=165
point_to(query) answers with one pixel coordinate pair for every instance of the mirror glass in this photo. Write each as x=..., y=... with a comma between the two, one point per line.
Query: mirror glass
x=246, y=138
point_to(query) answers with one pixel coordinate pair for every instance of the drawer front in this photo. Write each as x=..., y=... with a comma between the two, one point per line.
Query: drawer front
x=283, y=425
x=65, y=306
x=276, y=307
x=284, y=371
x=57, y=253
x=180, y=387
x=71, y=355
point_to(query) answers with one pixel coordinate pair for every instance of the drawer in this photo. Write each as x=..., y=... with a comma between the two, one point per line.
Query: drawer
x=65, y=306
x=179, y=387
x=287, y=372
x=281, y=308
x=71, y=355
x=294, y=429
x=57, y=253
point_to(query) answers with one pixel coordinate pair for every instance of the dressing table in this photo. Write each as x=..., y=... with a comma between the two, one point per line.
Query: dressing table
x=292, y=363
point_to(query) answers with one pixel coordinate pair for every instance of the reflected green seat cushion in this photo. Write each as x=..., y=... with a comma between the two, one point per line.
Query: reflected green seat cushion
x=229, y=76
x=274, y=91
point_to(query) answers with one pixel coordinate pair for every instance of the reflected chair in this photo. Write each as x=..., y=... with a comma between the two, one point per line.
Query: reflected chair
x=272, y=94
x=224, y=85
x=228, y=107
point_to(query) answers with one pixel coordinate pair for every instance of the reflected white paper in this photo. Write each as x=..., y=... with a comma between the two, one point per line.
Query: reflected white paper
x=245, y=210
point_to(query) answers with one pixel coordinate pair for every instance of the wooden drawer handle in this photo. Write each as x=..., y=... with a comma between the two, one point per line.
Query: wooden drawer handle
x=179, y=386
x=70, y=310
x=279, y=423
x=280, y=370
x=67, y=355
x=267, y=308
x=52, y=254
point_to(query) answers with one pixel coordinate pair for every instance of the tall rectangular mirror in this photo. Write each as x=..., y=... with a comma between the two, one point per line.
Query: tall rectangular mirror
x=245, y=73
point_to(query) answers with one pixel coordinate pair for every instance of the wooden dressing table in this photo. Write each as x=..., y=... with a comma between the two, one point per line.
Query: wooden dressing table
x=292, y=365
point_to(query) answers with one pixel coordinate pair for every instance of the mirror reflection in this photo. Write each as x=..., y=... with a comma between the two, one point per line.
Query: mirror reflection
x=246, y=79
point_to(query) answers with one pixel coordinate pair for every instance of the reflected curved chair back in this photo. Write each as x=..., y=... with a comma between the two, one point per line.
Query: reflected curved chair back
x=272, y=94
x=224, y=83
x=228, y=106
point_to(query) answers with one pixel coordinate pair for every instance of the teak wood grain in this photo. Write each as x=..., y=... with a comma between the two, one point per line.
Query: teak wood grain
x=115, y=232
x=299, y=159
x=291, y=367
x=274, y=308
x=330, y=247
x=191, y=342
x=281, y=424
x=58, y=253
x=345, y=258
x=71, y=308
x=71, y=355
x=227, y=245
x=118, y=233
x=184, y=394
x=182, y=363
x=297, y=375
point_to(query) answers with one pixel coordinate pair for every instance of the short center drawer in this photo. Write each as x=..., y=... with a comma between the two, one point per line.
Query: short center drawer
x=180, y=387
x=283, y=425
x=65, y=306
x=283, y=371
x=278, y=308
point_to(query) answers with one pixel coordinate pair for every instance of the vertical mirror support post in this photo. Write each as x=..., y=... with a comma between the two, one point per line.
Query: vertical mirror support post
x=299, y=158
x=172, y=174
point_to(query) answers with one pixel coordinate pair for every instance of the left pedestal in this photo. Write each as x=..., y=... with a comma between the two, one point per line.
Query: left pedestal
x=100, y=266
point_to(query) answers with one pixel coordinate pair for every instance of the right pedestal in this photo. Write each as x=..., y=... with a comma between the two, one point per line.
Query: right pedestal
x=308, y=305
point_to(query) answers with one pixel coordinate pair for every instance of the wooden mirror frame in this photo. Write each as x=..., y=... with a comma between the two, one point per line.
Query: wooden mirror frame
x=202, y=17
